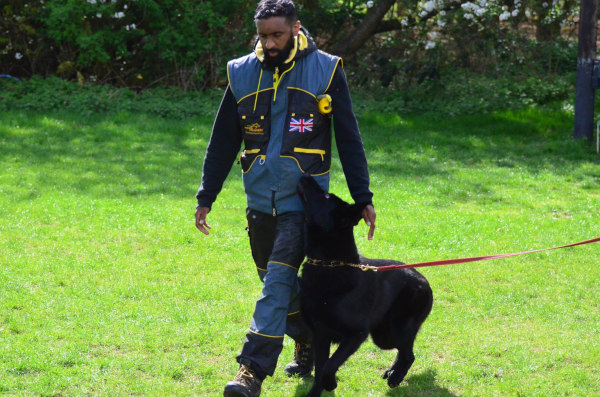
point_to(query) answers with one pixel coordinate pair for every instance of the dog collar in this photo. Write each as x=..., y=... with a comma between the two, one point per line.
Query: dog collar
x=323, y=263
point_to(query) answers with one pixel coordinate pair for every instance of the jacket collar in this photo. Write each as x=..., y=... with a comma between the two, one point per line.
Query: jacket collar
x=303, y=45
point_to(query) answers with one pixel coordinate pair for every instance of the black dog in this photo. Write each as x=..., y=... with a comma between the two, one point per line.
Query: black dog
x=343, y=303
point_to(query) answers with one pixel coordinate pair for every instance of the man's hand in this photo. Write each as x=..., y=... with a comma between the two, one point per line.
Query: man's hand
x=369, y=215
x=201, y=224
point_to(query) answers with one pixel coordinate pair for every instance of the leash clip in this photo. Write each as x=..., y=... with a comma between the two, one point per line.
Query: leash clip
x=364, y=268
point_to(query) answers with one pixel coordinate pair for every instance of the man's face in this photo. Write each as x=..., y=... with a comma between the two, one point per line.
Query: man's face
x=277, y=38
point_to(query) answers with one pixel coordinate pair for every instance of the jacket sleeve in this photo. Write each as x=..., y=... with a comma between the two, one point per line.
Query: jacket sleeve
x=348, y=141
x=223, y=147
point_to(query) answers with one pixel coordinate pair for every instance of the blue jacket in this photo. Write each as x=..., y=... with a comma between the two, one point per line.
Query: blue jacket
x=275, y=113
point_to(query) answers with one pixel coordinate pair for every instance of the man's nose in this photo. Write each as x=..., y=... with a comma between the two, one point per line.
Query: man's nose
x=269, y=44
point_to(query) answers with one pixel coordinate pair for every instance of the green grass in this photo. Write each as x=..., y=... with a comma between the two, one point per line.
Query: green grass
x=106, y=288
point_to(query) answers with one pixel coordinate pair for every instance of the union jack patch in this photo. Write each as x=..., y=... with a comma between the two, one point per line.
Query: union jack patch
x=301, y=125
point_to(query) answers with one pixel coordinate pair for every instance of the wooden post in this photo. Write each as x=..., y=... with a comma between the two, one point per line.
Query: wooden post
x=585, y=84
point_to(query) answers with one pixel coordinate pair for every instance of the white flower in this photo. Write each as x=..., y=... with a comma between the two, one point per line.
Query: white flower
x=544, y=4
x=527, y=13
x=468, y=16
x=18, y=55
x=468, y=6
x=430, y=6
x=91, y=1
x=441, y=23
x=504, y=16
x=430, y=45
x=119, y=14
x=404, y=22
x=515, y=13
x=369, y=4
x=432, y=35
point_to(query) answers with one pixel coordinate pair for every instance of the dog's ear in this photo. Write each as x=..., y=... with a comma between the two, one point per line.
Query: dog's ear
x=354, y=213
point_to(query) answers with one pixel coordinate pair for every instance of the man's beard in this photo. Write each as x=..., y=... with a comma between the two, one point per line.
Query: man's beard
x=281, y=56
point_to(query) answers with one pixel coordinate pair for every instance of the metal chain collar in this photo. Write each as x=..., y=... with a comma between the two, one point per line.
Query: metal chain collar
x=322, y=263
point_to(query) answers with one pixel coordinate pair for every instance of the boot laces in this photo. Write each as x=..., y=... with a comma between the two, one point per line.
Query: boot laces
x=245, y=375
x=302, y=353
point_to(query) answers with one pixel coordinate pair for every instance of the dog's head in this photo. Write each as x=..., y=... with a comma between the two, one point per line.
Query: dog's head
x=326, y=211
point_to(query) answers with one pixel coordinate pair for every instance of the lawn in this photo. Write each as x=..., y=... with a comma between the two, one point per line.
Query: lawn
x=107, y=288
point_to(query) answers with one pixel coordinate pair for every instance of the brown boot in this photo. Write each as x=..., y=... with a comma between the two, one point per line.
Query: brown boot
x=303, y=362
x=245, y=384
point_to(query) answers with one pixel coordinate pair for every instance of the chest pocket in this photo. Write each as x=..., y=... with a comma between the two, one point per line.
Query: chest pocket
x=255, y=122
x=307, y=135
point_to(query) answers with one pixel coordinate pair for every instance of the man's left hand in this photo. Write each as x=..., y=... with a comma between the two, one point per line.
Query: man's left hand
x=369, y=215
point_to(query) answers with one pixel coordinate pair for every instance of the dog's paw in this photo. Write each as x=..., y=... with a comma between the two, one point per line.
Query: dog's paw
x=394, y=377
x=387, y=374
x=329, y=383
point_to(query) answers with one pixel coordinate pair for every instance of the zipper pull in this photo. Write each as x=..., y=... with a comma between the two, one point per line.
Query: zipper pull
x=275, y=83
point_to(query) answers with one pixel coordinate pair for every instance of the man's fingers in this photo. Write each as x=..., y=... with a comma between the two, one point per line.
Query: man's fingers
x=369, y=217
x=371, y=231
x=201, y=220
x=203, y=229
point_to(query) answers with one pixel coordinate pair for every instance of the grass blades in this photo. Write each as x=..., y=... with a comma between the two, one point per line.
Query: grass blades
x=106, y=288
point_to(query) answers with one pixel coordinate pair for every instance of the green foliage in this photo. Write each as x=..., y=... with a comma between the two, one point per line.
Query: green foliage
x=50, y=94
x=460, y=92
x=456, y=93
x=144, y=43
x=132, y=43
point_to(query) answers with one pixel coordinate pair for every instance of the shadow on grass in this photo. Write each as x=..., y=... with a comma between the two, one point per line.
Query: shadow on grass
x=422, y=384
x=532, y=140
x=136, y=155
x=106, y=156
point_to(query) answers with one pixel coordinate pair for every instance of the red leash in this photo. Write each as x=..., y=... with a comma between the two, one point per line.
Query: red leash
x=478, y=258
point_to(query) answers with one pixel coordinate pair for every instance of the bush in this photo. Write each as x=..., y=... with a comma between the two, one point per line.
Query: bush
x=456, y=93
x=460, y=92
x=127, y=43
x=52, y=94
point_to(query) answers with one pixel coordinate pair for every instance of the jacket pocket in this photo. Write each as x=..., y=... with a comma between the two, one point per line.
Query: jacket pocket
x=255, y=124
x=249, y=157
x=308, y=142
x=311, y=161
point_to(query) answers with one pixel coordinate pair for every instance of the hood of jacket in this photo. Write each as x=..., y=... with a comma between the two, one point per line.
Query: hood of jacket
x=303, y=45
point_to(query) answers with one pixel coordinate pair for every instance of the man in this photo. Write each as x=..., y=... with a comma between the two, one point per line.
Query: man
x=279, y=102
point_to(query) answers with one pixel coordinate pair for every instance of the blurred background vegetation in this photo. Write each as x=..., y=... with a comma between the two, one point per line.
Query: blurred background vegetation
x=452, y=56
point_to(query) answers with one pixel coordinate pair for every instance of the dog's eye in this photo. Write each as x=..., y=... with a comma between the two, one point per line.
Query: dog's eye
x=326, y=195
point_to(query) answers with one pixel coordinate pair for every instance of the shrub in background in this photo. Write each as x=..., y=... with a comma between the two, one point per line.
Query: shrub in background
x=124, y=42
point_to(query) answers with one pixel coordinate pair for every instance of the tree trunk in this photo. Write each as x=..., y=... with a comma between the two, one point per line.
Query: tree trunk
x=365, y=29
x=584, y=87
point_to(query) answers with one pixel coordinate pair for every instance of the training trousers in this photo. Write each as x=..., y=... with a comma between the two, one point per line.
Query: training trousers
x=277, y=244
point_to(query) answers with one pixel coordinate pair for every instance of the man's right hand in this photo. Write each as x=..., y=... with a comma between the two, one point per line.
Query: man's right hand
x=201, y=224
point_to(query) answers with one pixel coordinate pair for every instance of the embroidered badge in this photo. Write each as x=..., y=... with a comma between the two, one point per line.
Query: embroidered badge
x=301, y=125
x=254, y=129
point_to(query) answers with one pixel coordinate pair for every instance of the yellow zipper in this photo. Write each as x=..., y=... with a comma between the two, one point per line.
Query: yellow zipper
x=277, y=79
x=311, y=151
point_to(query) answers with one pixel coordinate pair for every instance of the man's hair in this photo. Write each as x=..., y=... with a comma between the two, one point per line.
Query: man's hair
x=276, y=8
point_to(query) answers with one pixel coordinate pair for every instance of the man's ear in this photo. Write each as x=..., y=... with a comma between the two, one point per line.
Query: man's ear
x=296, y=28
